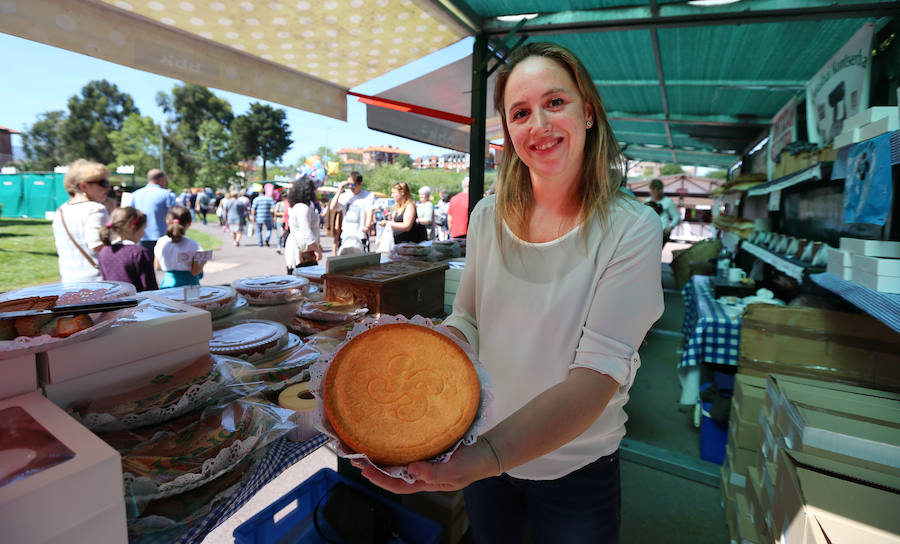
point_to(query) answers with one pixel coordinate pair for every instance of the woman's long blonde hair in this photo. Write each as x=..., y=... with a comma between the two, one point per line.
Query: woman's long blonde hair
x=597, y=189
x=405, y=196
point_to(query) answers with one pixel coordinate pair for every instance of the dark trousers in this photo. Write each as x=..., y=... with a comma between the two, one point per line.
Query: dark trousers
x=581, y=507
x=149, y=244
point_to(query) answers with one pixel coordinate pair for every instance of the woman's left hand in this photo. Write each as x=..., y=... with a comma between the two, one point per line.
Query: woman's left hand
x=468, y=464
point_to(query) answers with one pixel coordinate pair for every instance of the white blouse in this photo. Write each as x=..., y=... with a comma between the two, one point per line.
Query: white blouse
x=175, y=255
x=84, y=220
x=585, y=299
x=303, y=222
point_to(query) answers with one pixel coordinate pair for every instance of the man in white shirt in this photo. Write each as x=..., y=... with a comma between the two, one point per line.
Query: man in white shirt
x=669, y=216
x=356, y=205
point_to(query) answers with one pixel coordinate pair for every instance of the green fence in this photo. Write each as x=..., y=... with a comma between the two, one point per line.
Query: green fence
x=31, y=194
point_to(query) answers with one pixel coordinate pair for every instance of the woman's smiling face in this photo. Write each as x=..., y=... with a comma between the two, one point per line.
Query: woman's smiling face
x=547, y=119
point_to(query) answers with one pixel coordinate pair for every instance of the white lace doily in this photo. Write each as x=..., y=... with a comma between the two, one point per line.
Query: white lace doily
x=266, y=425
x=320, y=368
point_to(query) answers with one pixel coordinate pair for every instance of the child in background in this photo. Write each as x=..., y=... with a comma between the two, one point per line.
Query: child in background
x=122, y=257
x=175, y=252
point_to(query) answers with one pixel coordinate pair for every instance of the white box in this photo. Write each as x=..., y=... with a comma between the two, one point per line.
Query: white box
x=45, y=504
x=18, y=375
x=123, y=377
x=160, y=326
x=107, y=527
x=844, y=139
x=872, y=248
x=839, y=262
x=882, y=284
x=875, y=128
x=870, y=115
x=880, y=266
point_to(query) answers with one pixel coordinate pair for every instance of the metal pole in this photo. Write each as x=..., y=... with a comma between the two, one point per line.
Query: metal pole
x=478, y=113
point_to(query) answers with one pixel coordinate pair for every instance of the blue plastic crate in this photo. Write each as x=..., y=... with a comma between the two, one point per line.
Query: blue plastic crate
x=295, y=525
x=713, y=437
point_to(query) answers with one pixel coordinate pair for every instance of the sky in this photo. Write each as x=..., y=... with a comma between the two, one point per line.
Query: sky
x=38, y=78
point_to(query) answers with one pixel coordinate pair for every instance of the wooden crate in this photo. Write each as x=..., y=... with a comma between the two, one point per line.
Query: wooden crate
x=400, y=287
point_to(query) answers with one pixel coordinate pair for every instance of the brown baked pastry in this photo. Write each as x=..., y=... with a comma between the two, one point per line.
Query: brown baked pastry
x=67, y=326
x=401, y=393
x=25, y=326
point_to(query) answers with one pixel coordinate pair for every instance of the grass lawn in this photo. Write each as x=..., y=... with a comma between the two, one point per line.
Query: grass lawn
x=28, y=252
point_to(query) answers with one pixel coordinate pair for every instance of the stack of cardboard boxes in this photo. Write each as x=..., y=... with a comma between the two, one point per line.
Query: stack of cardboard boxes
x=867, y=124
x=871, y=263
x=813, y=453
x=826, y=466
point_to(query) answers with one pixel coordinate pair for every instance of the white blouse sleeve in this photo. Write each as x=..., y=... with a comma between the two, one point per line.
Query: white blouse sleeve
x=464, y=316
x=92, y=223
x=626, y=301
x=299, y=220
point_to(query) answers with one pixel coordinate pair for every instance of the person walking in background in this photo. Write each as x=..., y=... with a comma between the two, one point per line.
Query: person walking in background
x=220, y=209
x=236, y=216
x=302, y=246
x=280, y=212
x=440, y=216
x=551, y=260
x=204, y=200
x=77, y=223
x=175, y=253
x=458, y=211
x=261, y=213
x=357, y=206
x=669, y=216
x=123, y=258
x=425, y=211
x=154, y=200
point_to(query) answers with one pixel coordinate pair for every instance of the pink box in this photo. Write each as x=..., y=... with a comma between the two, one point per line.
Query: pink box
x=19, y=376
x=43, y=505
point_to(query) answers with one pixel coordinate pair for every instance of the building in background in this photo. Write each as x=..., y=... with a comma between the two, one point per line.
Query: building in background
x=6, y=148
x=374, y=155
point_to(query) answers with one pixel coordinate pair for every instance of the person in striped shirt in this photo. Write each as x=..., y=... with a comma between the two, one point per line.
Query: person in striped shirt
x=261, y=213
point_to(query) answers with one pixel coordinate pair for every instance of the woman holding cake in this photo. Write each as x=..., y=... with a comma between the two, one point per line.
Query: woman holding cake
x=76, y=224
x=560, y=286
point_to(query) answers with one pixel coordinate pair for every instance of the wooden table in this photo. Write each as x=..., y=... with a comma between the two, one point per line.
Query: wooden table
x=398, y=287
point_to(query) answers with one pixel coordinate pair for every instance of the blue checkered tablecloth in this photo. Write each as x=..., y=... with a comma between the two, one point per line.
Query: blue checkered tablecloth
x=710, y=335
x=281, y=455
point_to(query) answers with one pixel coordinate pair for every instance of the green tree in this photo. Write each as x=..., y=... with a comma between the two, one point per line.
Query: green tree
x=187, y=108
x=218, y=163
x=100, y=110
x=263, y=133
x=42, y=142
x=137, y=143
x=670, y=169
x=718, y=174
x=403, y=161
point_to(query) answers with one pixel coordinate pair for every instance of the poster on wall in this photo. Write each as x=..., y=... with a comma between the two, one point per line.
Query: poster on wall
x=841, y=88
x=867, y=188
x=781, y=133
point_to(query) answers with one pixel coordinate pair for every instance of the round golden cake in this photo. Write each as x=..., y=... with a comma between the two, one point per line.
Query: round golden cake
x=400, y=393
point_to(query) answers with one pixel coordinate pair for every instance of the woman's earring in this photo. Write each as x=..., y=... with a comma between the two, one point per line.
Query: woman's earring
x=590, y=124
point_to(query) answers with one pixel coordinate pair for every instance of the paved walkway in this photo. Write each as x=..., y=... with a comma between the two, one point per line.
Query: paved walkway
x=230, y=263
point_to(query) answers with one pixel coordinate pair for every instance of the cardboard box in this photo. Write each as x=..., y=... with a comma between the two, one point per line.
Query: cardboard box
x=18, y=375
x=46, y=504
x=743, y=433
x=746, y=528
x=760, y=507
x=738, y=461
x=824, y=344
x=159, y=326
x=749, y=396
x=872, y=248
x=867, y=404
x=882, y=284
x=814, y=507
x=880, y=266
x=122, y=378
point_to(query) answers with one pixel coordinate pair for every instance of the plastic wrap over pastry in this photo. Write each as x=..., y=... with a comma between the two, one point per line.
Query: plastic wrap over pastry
x=171, y=464
x=207, y=381
x=287, y=367
x=272, y=289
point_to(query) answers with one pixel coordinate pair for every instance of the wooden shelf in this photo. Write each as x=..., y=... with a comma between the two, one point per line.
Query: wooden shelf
x=814, y=172
x=791, y=267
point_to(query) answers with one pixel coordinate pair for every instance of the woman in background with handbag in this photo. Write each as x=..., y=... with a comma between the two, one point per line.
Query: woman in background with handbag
x=302, y=247
x=76, y=224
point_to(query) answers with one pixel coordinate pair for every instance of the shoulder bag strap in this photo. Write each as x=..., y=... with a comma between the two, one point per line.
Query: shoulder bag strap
x=81, y=249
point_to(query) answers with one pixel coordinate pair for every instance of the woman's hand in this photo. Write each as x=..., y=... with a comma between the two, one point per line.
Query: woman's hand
x=468, y=464
x=382, y=223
